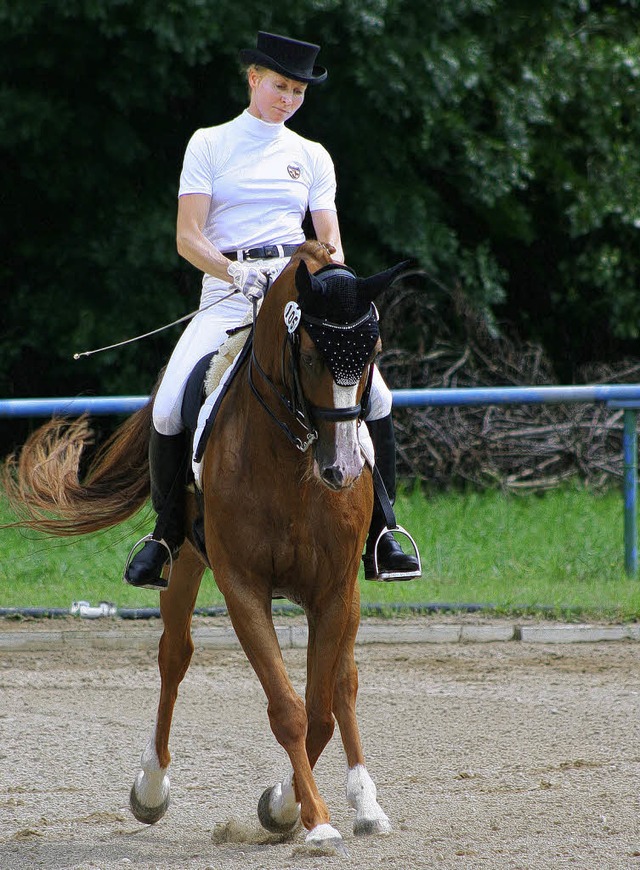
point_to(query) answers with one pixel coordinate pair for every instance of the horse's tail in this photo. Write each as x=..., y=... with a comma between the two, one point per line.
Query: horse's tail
x=43, y=482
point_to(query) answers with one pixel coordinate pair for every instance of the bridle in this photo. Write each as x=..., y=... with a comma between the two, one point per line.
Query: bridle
x=305, y=414
x=296, y=405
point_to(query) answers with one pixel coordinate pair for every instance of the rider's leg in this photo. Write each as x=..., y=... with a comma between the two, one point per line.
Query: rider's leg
x=393, y=562
x=167, y=467
x=168, y=442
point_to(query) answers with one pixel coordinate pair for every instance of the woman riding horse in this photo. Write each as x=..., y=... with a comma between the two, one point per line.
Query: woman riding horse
x=245, y=188
x=277, y=521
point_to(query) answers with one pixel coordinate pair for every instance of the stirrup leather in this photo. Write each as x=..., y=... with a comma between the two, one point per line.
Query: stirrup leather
x=389, y=575
x=143, y=541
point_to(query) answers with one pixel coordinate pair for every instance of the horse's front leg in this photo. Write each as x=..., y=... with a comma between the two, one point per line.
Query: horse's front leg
x=328, y=632
x=251, y=618
x=149, y=798
x=361, y=790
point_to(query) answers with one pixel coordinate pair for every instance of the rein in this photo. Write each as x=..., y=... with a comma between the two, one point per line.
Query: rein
x=296, y=406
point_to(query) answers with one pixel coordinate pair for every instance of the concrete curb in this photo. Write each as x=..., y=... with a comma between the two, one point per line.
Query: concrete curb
x=577, y=633
x=295, y=636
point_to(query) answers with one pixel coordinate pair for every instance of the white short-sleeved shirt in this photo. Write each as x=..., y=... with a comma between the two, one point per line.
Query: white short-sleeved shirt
x=261, y=178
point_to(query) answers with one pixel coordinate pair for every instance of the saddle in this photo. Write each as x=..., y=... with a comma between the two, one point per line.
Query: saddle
x=210, y=379
x=207, y=375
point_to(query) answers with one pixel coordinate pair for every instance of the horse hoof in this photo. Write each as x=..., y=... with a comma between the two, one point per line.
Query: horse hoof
x=146, y=815
x=327, y=841
x=366, y=827
x=268, y=820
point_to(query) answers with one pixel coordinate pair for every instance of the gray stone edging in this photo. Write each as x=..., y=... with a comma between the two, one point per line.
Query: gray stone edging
x=295, y=636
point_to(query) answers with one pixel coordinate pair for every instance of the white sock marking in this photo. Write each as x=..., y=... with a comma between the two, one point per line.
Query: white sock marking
x=362, y=796
x=152, y=782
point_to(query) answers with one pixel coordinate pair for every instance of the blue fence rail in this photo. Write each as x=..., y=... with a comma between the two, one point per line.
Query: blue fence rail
x=619, y=396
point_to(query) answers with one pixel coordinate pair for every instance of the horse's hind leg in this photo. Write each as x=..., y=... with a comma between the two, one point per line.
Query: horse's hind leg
x=149, y=797
x=361, y=790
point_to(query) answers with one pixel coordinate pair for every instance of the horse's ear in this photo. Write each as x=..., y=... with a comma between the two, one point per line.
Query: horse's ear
x=374, y=285
x=303, y=278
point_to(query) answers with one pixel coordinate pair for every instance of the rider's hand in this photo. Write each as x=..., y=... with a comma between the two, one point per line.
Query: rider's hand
x=251, y=282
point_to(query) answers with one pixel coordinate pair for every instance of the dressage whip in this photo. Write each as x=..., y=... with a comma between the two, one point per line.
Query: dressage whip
x=154, y=331
x=192, y=314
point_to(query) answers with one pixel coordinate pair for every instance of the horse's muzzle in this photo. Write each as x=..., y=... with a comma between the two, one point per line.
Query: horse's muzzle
x=338, y=456
x=336, y=479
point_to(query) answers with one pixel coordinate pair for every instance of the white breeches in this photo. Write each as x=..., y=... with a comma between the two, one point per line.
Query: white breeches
x=381, y=399
x=205, y=333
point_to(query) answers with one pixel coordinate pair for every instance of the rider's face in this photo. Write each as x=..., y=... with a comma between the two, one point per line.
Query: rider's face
x=274, y=98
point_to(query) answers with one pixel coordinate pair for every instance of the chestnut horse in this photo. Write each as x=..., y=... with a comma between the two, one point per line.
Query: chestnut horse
x=279, y=520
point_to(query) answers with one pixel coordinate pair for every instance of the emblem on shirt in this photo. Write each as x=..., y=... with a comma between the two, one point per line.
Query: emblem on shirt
x=294, y=170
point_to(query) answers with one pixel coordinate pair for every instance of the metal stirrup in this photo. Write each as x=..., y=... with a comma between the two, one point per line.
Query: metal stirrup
x=145, y=540
x=389, y=575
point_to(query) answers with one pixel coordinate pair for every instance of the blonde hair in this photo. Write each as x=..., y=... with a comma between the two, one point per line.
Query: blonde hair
x=258, y=69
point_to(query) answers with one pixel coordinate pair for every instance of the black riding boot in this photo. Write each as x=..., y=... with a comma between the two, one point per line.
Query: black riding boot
x=393, y=562
x=167, y=467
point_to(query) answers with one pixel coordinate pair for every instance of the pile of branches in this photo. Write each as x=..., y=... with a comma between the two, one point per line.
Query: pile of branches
x=515, y=447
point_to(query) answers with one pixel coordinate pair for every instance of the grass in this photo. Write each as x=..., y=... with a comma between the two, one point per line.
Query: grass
x=560, y=554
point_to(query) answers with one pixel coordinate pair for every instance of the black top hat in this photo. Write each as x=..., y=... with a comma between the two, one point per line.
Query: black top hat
x=289, y=57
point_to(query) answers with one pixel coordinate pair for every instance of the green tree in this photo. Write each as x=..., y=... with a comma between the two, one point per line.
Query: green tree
x=498, y=142
x=495, y=141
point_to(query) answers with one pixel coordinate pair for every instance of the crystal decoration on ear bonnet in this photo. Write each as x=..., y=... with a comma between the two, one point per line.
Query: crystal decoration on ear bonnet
x=340, y=320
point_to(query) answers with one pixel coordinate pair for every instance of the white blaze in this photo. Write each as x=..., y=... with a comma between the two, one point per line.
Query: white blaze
x=347, y=445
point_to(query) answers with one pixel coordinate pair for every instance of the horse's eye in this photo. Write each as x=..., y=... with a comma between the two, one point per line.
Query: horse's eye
x=308, y=360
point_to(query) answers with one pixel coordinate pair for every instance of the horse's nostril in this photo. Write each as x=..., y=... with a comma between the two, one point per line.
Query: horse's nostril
x=333, y=477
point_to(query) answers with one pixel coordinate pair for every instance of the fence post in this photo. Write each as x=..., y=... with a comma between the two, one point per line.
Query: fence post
x=630, y=451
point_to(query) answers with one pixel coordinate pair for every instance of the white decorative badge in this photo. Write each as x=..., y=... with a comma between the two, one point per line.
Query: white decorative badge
x=292, y=316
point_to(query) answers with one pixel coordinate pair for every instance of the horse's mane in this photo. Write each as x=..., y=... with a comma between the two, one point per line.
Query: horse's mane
x=315, y=254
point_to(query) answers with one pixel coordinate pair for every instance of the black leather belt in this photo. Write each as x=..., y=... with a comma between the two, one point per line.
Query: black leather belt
x=268, y=252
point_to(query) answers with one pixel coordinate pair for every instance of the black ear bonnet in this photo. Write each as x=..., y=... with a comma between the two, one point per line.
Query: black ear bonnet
x=336, y=310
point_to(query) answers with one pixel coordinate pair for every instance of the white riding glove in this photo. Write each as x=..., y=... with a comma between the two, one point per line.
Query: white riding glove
x=249, y=280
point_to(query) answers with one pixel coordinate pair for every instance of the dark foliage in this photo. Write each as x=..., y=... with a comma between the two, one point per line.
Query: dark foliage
x=495, y=142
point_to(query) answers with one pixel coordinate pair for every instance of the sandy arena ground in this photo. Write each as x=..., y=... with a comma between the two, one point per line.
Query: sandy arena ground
x=485, y=755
